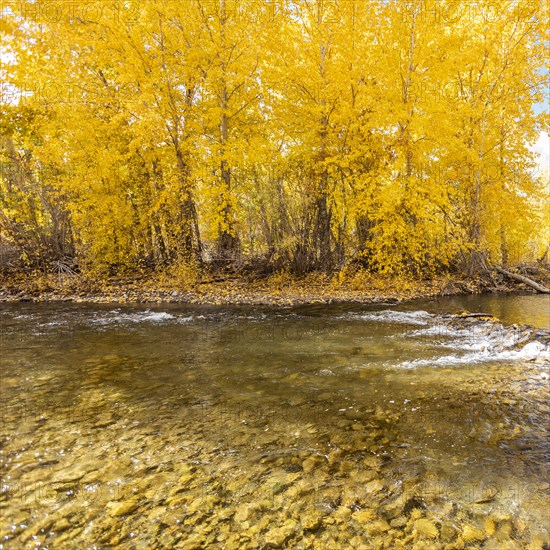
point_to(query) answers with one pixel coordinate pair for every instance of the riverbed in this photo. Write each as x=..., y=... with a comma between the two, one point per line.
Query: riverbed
x=318, y=426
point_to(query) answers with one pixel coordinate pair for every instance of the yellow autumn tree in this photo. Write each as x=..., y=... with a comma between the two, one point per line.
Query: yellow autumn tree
x=308, y=134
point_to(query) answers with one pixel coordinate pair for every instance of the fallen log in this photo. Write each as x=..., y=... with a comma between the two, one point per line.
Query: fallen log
x=467, y=314
x=522, y=279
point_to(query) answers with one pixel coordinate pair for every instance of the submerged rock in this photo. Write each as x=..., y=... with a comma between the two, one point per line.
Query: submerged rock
x=374, y=486
x=125, y=507
x=426, y=527
x=277, y=536
x=61, y=525
x=377, y=527
x=311, y=463
x=364, y=516
x=472, y=534
x=311, y=520
x=448, y=532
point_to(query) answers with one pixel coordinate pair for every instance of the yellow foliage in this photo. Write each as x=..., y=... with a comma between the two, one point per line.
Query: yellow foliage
x=311, y=133
x=184, y=274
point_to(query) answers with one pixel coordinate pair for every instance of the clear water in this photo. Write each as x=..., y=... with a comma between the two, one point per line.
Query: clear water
x=241, y=427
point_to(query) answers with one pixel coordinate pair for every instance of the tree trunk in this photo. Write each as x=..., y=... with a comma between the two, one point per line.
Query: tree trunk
x=522, y=279
x=228, y=243
x=190, y=237
x=322, y=235
x=544, y=258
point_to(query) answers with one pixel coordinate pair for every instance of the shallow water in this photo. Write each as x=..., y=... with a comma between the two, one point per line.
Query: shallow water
x=240, y=427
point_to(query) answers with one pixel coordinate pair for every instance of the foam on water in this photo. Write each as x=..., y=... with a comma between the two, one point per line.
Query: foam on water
x=393, y=316
x=121, y=317
x=478, y=337
x=482, y=342
x=530, y=352
x=147, y=316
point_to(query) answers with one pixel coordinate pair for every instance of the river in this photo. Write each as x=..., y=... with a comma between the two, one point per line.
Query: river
x=320, y=426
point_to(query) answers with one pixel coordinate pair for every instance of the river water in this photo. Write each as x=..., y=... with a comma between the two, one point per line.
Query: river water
x=333, y=426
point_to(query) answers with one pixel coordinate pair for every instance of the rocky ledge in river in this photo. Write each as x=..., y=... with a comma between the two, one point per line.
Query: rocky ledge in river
x=512, y=337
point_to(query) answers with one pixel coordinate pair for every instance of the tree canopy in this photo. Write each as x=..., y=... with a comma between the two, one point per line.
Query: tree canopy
x=303, y=133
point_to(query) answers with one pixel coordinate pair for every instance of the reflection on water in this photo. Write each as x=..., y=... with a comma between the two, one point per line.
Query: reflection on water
x=530, y=309
x=312, y=427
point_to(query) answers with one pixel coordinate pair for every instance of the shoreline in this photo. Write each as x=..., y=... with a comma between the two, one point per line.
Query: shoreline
x=275, y=291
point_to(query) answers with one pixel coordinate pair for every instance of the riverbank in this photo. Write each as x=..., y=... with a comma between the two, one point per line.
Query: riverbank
x=279, y=289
